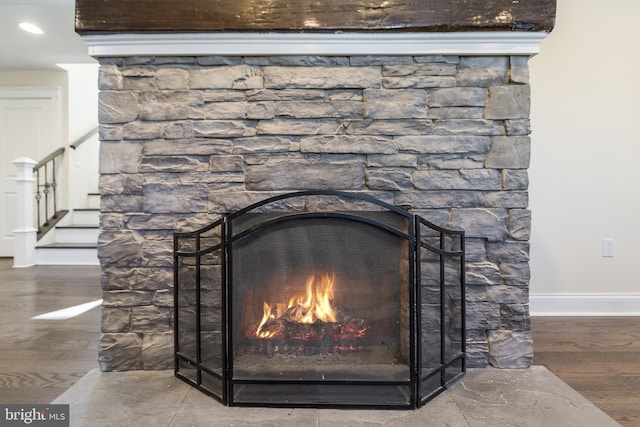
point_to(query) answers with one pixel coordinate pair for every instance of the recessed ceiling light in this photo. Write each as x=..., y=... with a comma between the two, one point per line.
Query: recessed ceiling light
x=31, y=28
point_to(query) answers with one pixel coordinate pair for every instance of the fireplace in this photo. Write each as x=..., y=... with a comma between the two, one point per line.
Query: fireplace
x=208, y=107
x=320, y=298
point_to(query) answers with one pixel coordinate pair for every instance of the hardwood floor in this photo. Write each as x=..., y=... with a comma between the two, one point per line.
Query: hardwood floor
x=39, y=359
x=597, y=356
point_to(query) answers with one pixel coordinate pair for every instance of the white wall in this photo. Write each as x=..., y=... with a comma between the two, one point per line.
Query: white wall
x=83, y=117
x=585, y=152
x=83, y=98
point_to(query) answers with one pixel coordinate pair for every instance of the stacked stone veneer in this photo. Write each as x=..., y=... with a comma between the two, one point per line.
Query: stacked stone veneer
x=185, y=139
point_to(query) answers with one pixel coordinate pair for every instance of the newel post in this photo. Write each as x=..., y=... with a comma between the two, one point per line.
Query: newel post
x=25, y=234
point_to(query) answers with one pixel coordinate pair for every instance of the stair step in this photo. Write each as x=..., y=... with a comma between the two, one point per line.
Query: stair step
x=68, y=245
x=67, y=254
x=75, y=244
x=93, y=200
x=77, y=234
x=88, y=216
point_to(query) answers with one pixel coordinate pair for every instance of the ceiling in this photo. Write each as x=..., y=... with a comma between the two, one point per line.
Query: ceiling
x=20, y=50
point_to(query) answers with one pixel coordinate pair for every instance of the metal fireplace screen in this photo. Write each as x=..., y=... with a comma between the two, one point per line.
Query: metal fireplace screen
x=320, y=299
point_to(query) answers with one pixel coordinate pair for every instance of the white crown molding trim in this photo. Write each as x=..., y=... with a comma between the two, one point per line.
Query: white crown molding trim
x=588, y=304
x=261, y=44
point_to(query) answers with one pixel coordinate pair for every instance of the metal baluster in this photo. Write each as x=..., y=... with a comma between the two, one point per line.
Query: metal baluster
x=46, y=194
x=38, y=197
x=47, y=187
x=53, y=186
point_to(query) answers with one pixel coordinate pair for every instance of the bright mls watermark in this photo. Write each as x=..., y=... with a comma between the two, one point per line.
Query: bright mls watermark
x=34, y=415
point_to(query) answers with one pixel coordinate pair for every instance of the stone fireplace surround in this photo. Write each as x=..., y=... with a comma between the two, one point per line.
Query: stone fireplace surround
x=186, y=138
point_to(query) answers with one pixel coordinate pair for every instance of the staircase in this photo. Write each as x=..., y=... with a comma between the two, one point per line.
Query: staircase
x=74, y=240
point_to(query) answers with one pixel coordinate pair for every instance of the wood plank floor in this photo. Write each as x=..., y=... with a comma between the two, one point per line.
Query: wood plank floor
x=598, y=356
x=40, y=359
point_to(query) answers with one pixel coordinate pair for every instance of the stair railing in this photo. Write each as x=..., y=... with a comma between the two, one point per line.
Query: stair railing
x=46, y=196
x=37, y=192
x=84, y=138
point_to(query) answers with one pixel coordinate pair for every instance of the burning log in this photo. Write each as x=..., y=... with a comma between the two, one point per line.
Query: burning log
x=354, y=328
x=309, y=324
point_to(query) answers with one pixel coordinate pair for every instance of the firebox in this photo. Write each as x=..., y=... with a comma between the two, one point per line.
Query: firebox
x=320, y=299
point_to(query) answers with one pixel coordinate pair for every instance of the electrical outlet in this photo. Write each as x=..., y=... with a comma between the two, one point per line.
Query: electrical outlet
x=607, y=247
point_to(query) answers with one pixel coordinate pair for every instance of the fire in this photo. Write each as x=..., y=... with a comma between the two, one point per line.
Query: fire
x=315, y=305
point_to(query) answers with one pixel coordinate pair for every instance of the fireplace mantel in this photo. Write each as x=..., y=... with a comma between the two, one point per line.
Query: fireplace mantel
x=107, y=16
x=304, y=27
x=252, y=44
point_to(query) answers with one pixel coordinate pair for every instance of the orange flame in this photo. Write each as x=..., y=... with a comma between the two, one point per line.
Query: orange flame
x=315, y=305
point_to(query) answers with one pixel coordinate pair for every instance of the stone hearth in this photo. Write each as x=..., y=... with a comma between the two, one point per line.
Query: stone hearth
x=188, y=138
x=484, y=397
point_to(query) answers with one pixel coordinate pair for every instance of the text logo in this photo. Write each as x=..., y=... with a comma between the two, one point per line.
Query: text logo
x=34, y=415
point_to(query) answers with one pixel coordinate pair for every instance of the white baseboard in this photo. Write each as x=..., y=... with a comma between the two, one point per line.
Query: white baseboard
x=587, y=304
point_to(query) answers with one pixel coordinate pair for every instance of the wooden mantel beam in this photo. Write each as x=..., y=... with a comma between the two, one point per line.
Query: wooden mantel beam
x=180, y=16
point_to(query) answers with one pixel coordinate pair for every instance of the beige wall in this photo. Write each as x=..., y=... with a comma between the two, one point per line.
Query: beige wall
x=585, y=167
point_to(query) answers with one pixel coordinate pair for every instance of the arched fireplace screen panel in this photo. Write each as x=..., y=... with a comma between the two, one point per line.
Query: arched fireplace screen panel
x=320, y=299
